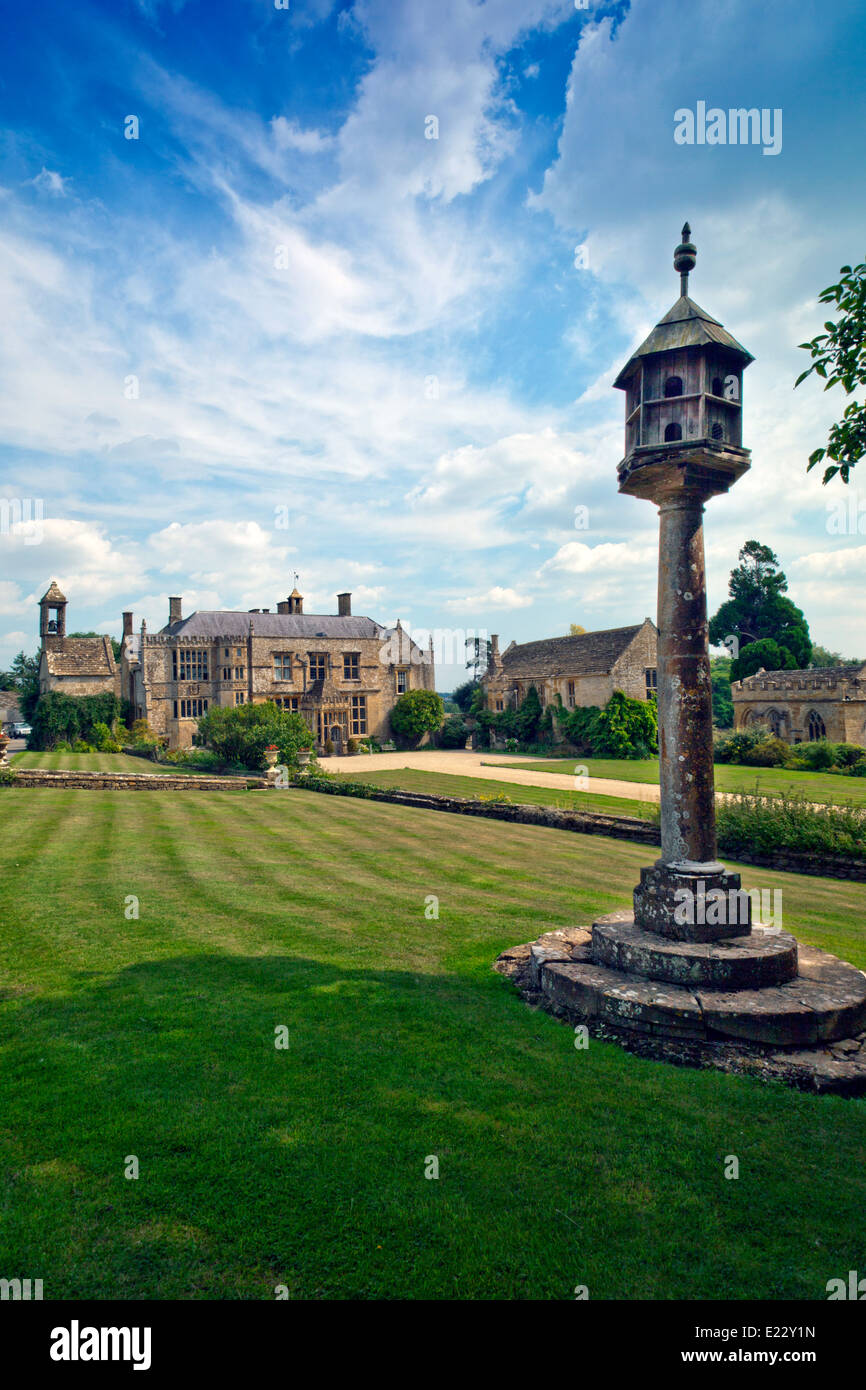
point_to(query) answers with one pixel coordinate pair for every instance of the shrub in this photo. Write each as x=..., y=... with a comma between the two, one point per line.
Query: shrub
x=770, y=752
x=81, y=746
x=103, y=739
x=625, y=728
x=416, y=713
x=64, y=718
x=751, y=820
x=329, y=748
x=733, y=747
x=529, y=717
x=240, y=734
x=352, y=745
x=454, y=732
x=142, y=732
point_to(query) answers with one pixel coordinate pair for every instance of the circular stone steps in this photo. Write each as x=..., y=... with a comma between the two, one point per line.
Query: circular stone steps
x=765, y=957
x=826, y=1001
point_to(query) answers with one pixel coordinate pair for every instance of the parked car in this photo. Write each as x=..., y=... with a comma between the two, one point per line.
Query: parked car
x=20, y=730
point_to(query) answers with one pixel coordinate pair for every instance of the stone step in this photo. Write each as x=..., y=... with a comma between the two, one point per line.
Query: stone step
x=826, y=1001
x=765, y=957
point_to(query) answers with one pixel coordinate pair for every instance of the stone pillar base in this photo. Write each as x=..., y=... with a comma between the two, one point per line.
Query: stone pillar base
x=698, y=902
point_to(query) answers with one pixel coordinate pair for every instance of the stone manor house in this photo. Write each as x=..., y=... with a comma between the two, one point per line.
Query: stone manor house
x=341, y=673
x=583, y=670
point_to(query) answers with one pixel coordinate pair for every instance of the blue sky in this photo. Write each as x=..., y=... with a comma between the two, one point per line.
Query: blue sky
x=283, y=303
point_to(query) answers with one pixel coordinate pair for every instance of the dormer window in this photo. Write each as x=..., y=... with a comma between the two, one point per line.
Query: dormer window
x=673, y=431
x=674, y=386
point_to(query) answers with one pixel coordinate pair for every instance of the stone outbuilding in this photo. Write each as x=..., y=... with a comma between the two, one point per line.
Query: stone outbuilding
x=342, y=673
x=72, y=665
x=583, y=670
x=803, y=706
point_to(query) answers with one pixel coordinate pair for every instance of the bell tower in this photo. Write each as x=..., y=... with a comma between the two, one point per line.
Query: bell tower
x=52, y=602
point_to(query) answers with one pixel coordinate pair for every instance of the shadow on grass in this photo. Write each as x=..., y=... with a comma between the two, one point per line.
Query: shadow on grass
x=306, y=1165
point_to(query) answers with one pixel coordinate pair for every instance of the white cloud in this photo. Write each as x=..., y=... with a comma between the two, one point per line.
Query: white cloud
x=495, y=598
x=49, y=181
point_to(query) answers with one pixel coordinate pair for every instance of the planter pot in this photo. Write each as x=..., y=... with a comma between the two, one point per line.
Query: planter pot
x=271, y=755
x=304, y=756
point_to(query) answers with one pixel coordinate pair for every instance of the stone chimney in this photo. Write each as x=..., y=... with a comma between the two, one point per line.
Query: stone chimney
x=284, y=607
x=495, y=661
x=127, y=624
x=174, y=610
x=344, y=605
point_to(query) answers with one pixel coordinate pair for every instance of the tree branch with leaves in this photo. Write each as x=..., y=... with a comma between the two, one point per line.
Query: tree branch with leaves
x=839, y=357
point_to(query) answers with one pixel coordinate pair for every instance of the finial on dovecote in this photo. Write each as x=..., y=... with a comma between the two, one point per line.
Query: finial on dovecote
x=685, y=256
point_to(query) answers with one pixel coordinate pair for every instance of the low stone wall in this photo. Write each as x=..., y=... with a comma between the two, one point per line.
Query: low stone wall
x=132, y=781
x=594, y=823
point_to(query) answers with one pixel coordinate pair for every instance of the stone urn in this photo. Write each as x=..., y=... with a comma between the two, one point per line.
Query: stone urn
x=304, y=756
x=272, y=752
x=4, y=744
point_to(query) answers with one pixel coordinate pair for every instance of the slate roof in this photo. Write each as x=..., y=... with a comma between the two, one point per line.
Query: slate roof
x=685, y=325
x=217, y=625
x=591, y=653
x=80, y=656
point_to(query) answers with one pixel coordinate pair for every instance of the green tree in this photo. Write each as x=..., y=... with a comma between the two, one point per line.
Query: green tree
x=839, y=357
x=462, y=696
x=823, y=657
x=723, y=705
x=765, y=655
x=416, y=713
x=758, y=610
x=23, y=677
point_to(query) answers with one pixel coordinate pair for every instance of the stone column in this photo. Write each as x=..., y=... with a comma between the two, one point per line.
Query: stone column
x=687, y=894
x=688, y=810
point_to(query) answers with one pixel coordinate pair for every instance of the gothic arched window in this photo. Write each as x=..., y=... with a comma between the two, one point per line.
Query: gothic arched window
x=674, y=386
x=774, y=719
x=815, y=726
x=673, y=431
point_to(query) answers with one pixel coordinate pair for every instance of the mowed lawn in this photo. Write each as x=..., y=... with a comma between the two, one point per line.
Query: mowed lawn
x=99, y=762
x=448, y=784
x=817, y=786
x=305, y=1167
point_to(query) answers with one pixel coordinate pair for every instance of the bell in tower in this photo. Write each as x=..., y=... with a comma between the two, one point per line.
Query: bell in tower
x=684, y=398
x=52, y=612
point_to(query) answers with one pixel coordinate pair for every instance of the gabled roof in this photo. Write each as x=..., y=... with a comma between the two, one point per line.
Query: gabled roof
x=80, y=656
x=685, y=325
x=591, y=653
